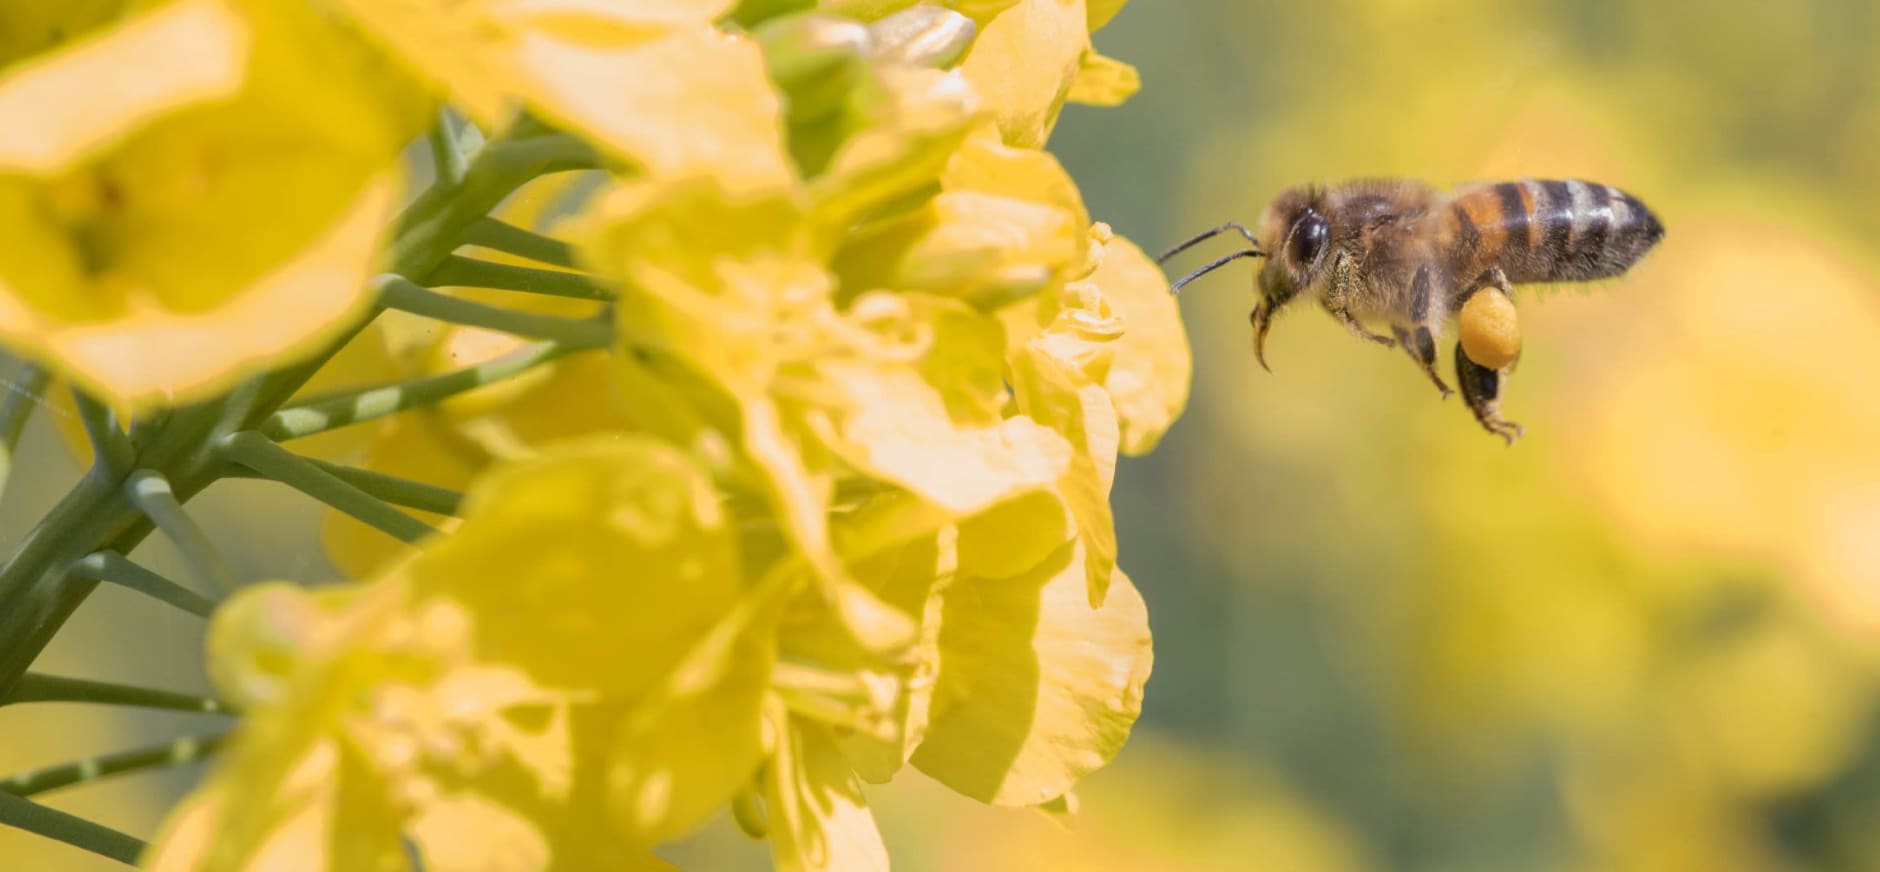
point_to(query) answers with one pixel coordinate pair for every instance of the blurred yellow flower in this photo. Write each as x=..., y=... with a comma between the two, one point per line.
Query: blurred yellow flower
x=264, y=143
x=1731, y=433
x=655, y=83
x=28, y=28
x=511, y=684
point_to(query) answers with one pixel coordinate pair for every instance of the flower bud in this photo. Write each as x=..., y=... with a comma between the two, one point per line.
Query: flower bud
x=925, y=35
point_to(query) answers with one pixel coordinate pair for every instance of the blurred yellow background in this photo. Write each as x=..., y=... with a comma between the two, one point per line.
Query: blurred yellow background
x=1643, y=638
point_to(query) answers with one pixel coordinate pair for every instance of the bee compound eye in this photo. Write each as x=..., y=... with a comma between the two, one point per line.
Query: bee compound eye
x=1308, y=240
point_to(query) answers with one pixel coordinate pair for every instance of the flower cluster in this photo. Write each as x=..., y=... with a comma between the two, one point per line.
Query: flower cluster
x=787, y=427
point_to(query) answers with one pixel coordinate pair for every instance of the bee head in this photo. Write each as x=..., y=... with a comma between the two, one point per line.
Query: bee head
x=1294, y=238
x=1297, y=234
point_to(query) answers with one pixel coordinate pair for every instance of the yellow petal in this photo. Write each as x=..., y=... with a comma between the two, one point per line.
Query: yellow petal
x=987, y=250
x=162, y=357
x=708, y=277
x=1023, y=64
x=696, y=102
x=1060, y=396
x=1151, y=366
x=915, y=121
x=1101, y=11
x=459, y=48
x=1036, y=688
x=506, y=679
x=819, y=819
x=677, y=763
x=111, y=288
x=933, y=424
x=89, y=94
x=905, y=576
x=985, y=165
x=259, y=636
x=593, y=18
x=1014, y=536
x=1009, y=223
x=910, y=578
x=1103, y=81
x=544, y=544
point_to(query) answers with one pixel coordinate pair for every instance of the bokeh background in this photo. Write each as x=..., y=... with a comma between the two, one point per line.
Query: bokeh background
x=1642, y=639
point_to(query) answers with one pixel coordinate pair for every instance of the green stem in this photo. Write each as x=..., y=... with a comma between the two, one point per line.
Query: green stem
x=25, y=814
x=150, y=492
x=40, y=687
x=467, y=272
x=255, y=451
x=433, y=224
x=390, y=488
x=109, y=445
x=398, y=293
x=447, y=156
x=371, y=403
x=75, y=516
x=115, y=568
x=16, y=408
x=172, y=753
x=499, y=235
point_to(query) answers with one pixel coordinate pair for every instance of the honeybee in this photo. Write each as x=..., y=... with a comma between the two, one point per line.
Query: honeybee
x=1404, y=254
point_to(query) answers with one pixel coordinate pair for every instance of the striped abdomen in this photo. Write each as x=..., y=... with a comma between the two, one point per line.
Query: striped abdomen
x=1549, y=231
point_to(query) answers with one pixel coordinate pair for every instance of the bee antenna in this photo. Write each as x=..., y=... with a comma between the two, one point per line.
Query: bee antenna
x=1235, y=226
x=1176, y=288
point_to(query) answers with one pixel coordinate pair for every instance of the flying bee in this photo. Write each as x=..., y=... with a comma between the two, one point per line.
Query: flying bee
x=1416, y=259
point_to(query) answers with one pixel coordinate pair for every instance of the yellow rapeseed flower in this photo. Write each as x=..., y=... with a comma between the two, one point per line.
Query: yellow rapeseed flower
x=1034, y=57
x=575, y=674
x=655, y=83
x=1035, y=687
x=820, y=821
x=190, y=195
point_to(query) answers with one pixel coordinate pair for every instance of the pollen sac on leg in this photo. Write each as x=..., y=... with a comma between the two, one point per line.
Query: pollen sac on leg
x=1489, y=329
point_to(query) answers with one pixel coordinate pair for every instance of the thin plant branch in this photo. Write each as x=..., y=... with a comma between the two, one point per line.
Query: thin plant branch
x=22, y=396
x=469, y=272
x=175, y=752
x=40, y=687
x=447, y=154
x=25, y=814
x=150, y=492
x=370, y=403
x=109, y=445
x=115, y=568
x=390, y=488
x=499, y=235
x=257, y=452
x=401, y=294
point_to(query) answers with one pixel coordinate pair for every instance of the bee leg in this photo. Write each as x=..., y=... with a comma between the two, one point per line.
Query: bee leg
x=1481, y=389
x=1420, y=344
x=1337, y=295
x=1350, y=321
x=1493, y=277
